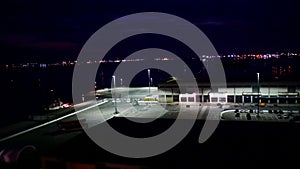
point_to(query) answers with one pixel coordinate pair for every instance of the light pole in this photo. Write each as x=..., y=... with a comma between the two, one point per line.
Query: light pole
x=151, y=84
x=258, y=95
x=149, y=79
x=114, y=93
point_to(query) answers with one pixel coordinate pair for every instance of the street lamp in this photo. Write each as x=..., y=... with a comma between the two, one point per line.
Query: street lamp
x=114, y=93
x=258, y=100
x=149, y=79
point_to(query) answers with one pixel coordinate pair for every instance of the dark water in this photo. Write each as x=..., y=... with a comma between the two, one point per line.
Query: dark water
x=25, y=91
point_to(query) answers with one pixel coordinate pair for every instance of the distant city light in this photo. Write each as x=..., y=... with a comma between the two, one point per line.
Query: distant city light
x=205, y=58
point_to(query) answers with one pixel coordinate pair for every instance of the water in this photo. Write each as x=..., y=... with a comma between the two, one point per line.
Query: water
x=25, y=91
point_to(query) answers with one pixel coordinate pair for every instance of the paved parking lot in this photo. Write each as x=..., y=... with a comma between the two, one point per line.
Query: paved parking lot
x=263, y=117
x=247, y=113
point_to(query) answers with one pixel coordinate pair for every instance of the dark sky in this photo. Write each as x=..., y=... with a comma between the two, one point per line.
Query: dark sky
x=56, y=30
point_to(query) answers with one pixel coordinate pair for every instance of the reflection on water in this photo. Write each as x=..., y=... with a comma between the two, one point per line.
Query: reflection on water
x=25, y=91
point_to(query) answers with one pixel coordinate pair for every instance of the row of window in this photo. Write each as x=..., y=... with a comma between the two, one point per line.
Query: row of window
x=247, y=99
x=199, y=99
x=230, y=98
x=187, y=99
x=220, y=99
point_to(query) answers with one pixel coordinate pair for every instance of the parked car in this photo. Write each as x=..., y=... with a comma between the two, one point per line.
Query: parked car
x=67, y=105
x=262, y=104
x=286, y=116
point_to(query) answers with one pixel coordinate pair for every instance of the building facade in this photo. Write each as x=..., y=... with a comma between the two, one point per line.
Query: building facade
x=271, y=93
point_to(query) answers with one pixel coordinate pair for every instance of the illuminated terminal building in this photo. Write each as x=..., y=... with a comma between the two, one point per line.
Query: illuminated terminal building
x=274, y=93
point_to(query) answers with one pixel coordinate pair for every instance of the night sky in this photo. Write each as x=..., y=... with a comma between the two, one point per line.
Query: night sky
x=56, y=30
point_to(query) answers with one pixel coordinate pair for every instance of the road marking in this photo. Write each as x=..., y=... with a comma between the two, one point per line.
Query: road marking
x=50, y=122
